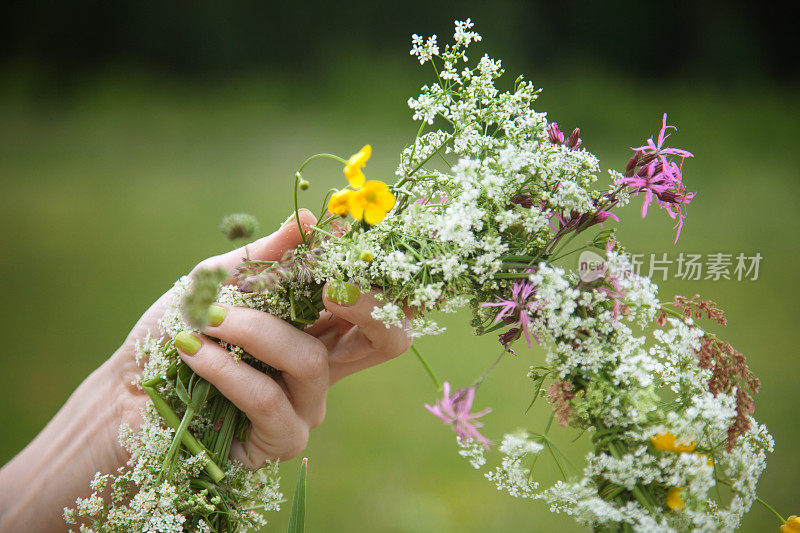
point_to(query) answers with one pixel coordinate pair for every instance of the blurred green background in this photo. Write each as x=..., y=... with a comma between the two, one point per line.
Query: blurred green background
x=127, y=131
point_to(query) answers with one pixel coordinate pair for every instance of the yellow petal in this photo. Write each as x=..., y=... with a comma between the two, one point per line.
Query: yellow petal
x=339, y=204
x=674, y=500
x=362, y=156
x=357, y=161
x=357, y=208
x=386, y=200
x=374, y=214
x=792, y=525
x=666, y=442
x=354, y=176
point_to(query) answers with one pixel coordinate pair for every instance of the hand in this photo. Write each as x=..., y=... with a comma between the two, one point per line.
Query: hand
x=81, y=439
x=344, y=340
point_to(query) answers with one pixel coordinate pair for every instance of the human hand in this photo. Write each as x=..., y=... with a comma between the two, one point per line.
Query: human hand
x=344, y=340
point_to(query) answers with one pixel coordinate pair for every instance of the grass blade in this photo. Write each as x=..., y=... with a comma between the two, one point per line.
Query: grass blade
x=297, y=521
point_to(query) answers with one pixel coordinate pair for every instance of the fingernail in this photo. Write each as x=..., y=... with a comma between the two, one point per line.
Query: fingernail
x=292, y=217
x=187, y=343
x=216, y=314
x=341, y=292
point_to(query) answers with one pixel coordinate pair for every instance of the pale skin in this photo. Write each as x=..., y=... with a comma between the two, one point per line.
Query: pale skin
x=81, y=439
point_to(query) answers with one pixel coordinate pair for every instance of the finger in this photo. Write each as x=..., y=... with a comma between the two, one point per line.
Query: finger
x=269, y=248
x=342, y=370
x=369, y=336
x=327, y=325
x=255, y=393
x=255, y=450
x=302, y=358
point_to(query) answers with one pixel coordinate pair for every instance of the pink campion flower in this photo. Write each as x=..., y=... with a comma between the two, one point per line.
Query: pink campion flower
x=648, y=180
x=657, y=149
x=454, y=410
x=516, y=310
x=649, y=171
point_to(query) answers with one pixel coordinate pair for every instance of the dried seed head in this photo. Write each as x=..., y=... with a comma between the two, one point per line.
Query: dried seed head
x=205, y=287
x=239, y=226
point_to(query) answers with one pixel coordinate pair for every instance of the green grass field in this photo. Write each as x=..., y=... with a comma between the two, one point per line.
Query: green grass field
x=111, y=192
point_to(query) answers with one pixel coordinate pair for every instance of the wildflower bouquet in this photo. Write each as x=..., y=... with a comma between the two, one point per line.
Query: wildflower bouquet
x=490, y=197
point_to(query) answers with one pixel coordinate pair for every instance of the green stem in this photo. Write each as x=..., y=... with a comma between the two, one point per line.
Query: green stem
x=169, y=459
x=318, y=156
x=419, y=166
x=297, y=176
x=424, y=362
x=191, y=443
x=768, y=506
x=296, y=207
x=759, y=500
x=316, y=228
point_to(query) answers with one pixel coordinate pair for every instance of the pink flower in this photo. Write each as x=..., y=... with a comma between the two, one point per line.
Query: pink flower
x=516, y=310
x=657, y=149
x=424, y=201
x=649, y=171
x=454, y=410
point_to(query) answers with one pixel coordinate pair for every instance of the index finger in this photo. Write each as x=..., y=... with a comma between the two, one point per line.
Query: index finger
x=369, y=332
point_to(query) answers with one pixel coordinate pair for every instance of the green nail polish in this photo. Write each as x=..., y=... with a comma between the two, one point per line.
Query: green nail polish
x=216, y=314
x=187, y=343
x=341, y=292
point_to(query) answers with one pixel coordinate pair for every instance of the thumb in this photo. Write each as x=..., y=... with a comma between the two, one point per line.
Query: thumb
x=269, y=248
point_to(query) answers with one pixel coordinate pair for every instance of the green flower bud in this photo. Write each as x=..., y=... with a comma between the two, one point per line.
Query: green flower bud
x=239, y=226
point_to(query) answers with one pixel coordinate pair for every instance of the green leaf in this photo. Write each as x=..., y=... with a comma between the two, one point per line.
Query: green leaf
x=297, y=521
x=181, y=391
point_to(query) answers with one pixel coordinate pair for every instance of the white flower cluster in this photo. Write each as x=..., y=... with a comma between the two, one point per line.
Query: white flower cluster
x=622, y=398
x=512, y=474
x=493, y=189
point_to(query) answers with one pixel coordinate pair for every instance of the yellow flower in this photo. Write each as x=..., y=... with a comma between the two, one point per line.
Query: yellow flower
x=792, y=525
x=666, y=443
x=339, y=204
x=372, y=202
x=352, y=170
x=674, y=500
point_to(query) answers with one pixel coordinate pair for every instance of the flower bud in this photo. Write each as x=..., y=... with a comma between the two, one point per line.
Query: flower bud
x=303, y=184
x=574, y=140
x=239, y=226
x=554, y=134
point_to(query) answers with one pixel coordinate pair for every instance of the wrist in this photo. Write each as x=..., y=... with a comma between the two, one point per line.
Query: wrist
x=56, y=467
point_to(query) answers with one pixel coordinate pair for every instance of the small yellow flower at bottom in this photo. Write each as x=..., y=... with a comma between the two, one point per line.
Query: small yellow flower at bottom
x=666, y=443
x=339, y=204
x=792, y=525
x=357, y=161
x=674, y=500
x=372, y=202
